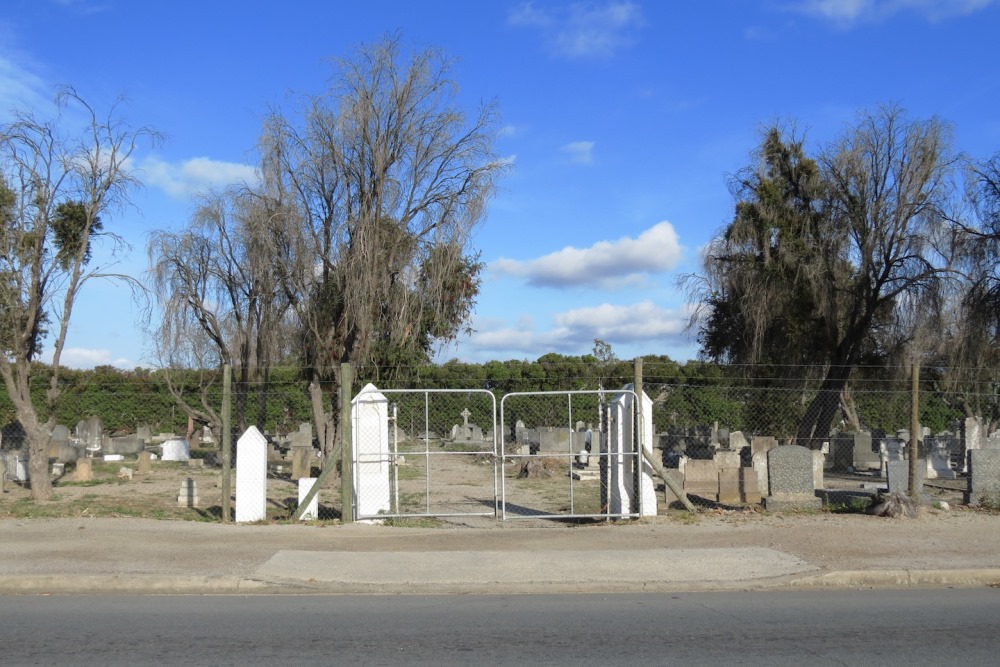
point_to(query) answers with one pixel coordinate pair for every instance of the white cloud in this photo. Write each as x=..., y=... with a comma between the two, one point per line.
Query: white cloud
x=847, y=12
x=573, y=332
x=643, y=321
x=21, y=89
x=606, y=263
x=579, y=152
x=582, y=30
x=84, y=358
x=194, y=176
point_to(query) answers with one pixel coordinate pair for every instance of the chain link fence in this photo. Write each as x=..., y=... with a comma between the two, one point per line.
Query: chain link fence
x=469, y=441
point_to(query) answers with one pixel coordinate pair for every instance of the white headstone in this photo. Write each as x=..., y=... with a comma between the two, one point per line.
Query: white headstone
x=305, y=485
x=370, y=437
x=176, y=449
x=251, y=476
x=621, y=457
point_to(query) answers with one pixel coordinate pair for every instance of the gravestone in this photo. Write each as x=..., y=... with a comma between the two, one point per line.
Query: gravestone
x=701, y=478
x=864, y=457
x=842, y=452
x=145, y=463
x=983, y=486
x=939, y=458
x=749, y=487
x=790, y=479
x=370, y=436
x=301, y=462
x=466, y=432
x=737, y=441
x=3, y=474
x=177, y=449
x=898, y=476
x=129, y=444
x=972, y=434
x=819, y=459
x=312, y=510
x=762, y=444
x=303, y=437
x=188, y=494
x=726, y=458
x=729, y=486
x=251, y=476
x=84, y=471
x=759, y=462
x=624, y=456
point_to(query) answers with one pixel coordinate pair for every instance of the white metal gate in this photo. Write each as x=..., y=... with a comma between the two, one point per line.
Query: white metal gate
x=424, y=453
x=571, y=454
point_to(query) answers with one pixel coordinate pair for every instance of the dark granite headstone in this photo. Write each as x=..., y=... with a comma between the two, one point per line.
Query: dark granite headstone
x=791, y=479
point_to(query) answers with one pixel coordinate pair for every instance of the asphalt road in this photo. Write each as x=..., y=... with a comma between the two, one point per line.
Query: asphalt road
x=902, y=627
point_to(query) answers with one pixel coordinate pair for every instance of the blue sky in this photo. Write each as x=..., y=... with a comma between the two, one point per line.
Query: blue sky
x=622, y=118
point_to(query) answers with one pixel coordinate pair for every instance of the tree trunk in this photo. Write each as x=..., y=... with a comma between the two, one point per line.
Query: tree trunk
x=815, y=425
x=326, y=422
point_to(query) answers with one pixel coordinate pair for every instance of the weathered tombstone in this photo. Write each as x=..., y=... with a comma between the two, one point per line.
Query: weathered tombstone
x=251, y=476
x=701, y=478
x=129, y=444
x=762, y=444
x=939, y=458
x=737, y=440
x=983, y=487
x=759, y=461
x=624, y=456
x=677, y=477
x=370, y=437
x=842, y=453
x=864, y=457
x=790, y=479
x=819, y=459
x=312, y=510
x=729, y=486
x=145, y=463
x=301, y=462
x=303, y=437
x=898, y=476
x=188, y=494
x=726, y=458
x=84, y=471
x=144, y=433
x=972, y=434
x=748, y=486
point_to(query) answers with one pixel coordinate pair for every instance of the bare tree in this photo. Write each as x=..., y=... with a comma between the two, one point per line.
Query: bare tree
x=388, y=177
x=56, y=193
x=219, y=301
x=825, y=258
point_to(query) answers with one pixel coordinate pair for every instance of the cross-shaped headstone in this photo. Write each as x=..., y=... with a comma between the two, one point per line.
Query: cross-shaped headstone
x=465, y=416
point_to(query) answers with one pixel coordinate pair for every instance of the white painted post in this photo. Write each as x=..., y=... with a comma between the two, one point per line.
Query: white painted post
x=312, y=511
x=370, y=435
x=251, y=476
x=622, y=459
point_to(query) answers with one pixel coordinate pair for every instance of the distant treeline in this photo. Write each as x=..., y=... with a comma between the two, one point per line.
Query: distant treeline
x=685, y=395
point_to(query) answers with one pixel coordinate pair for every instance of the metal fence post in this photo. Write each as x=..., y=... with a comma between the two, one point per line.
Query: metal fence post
x=637, y=436
x=226, y=440
x=914, y=426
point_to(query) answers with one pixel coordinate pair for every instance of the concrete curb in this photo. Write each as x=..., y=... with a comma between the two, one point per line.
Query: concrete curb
x=900, y=578
x=187, y=585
